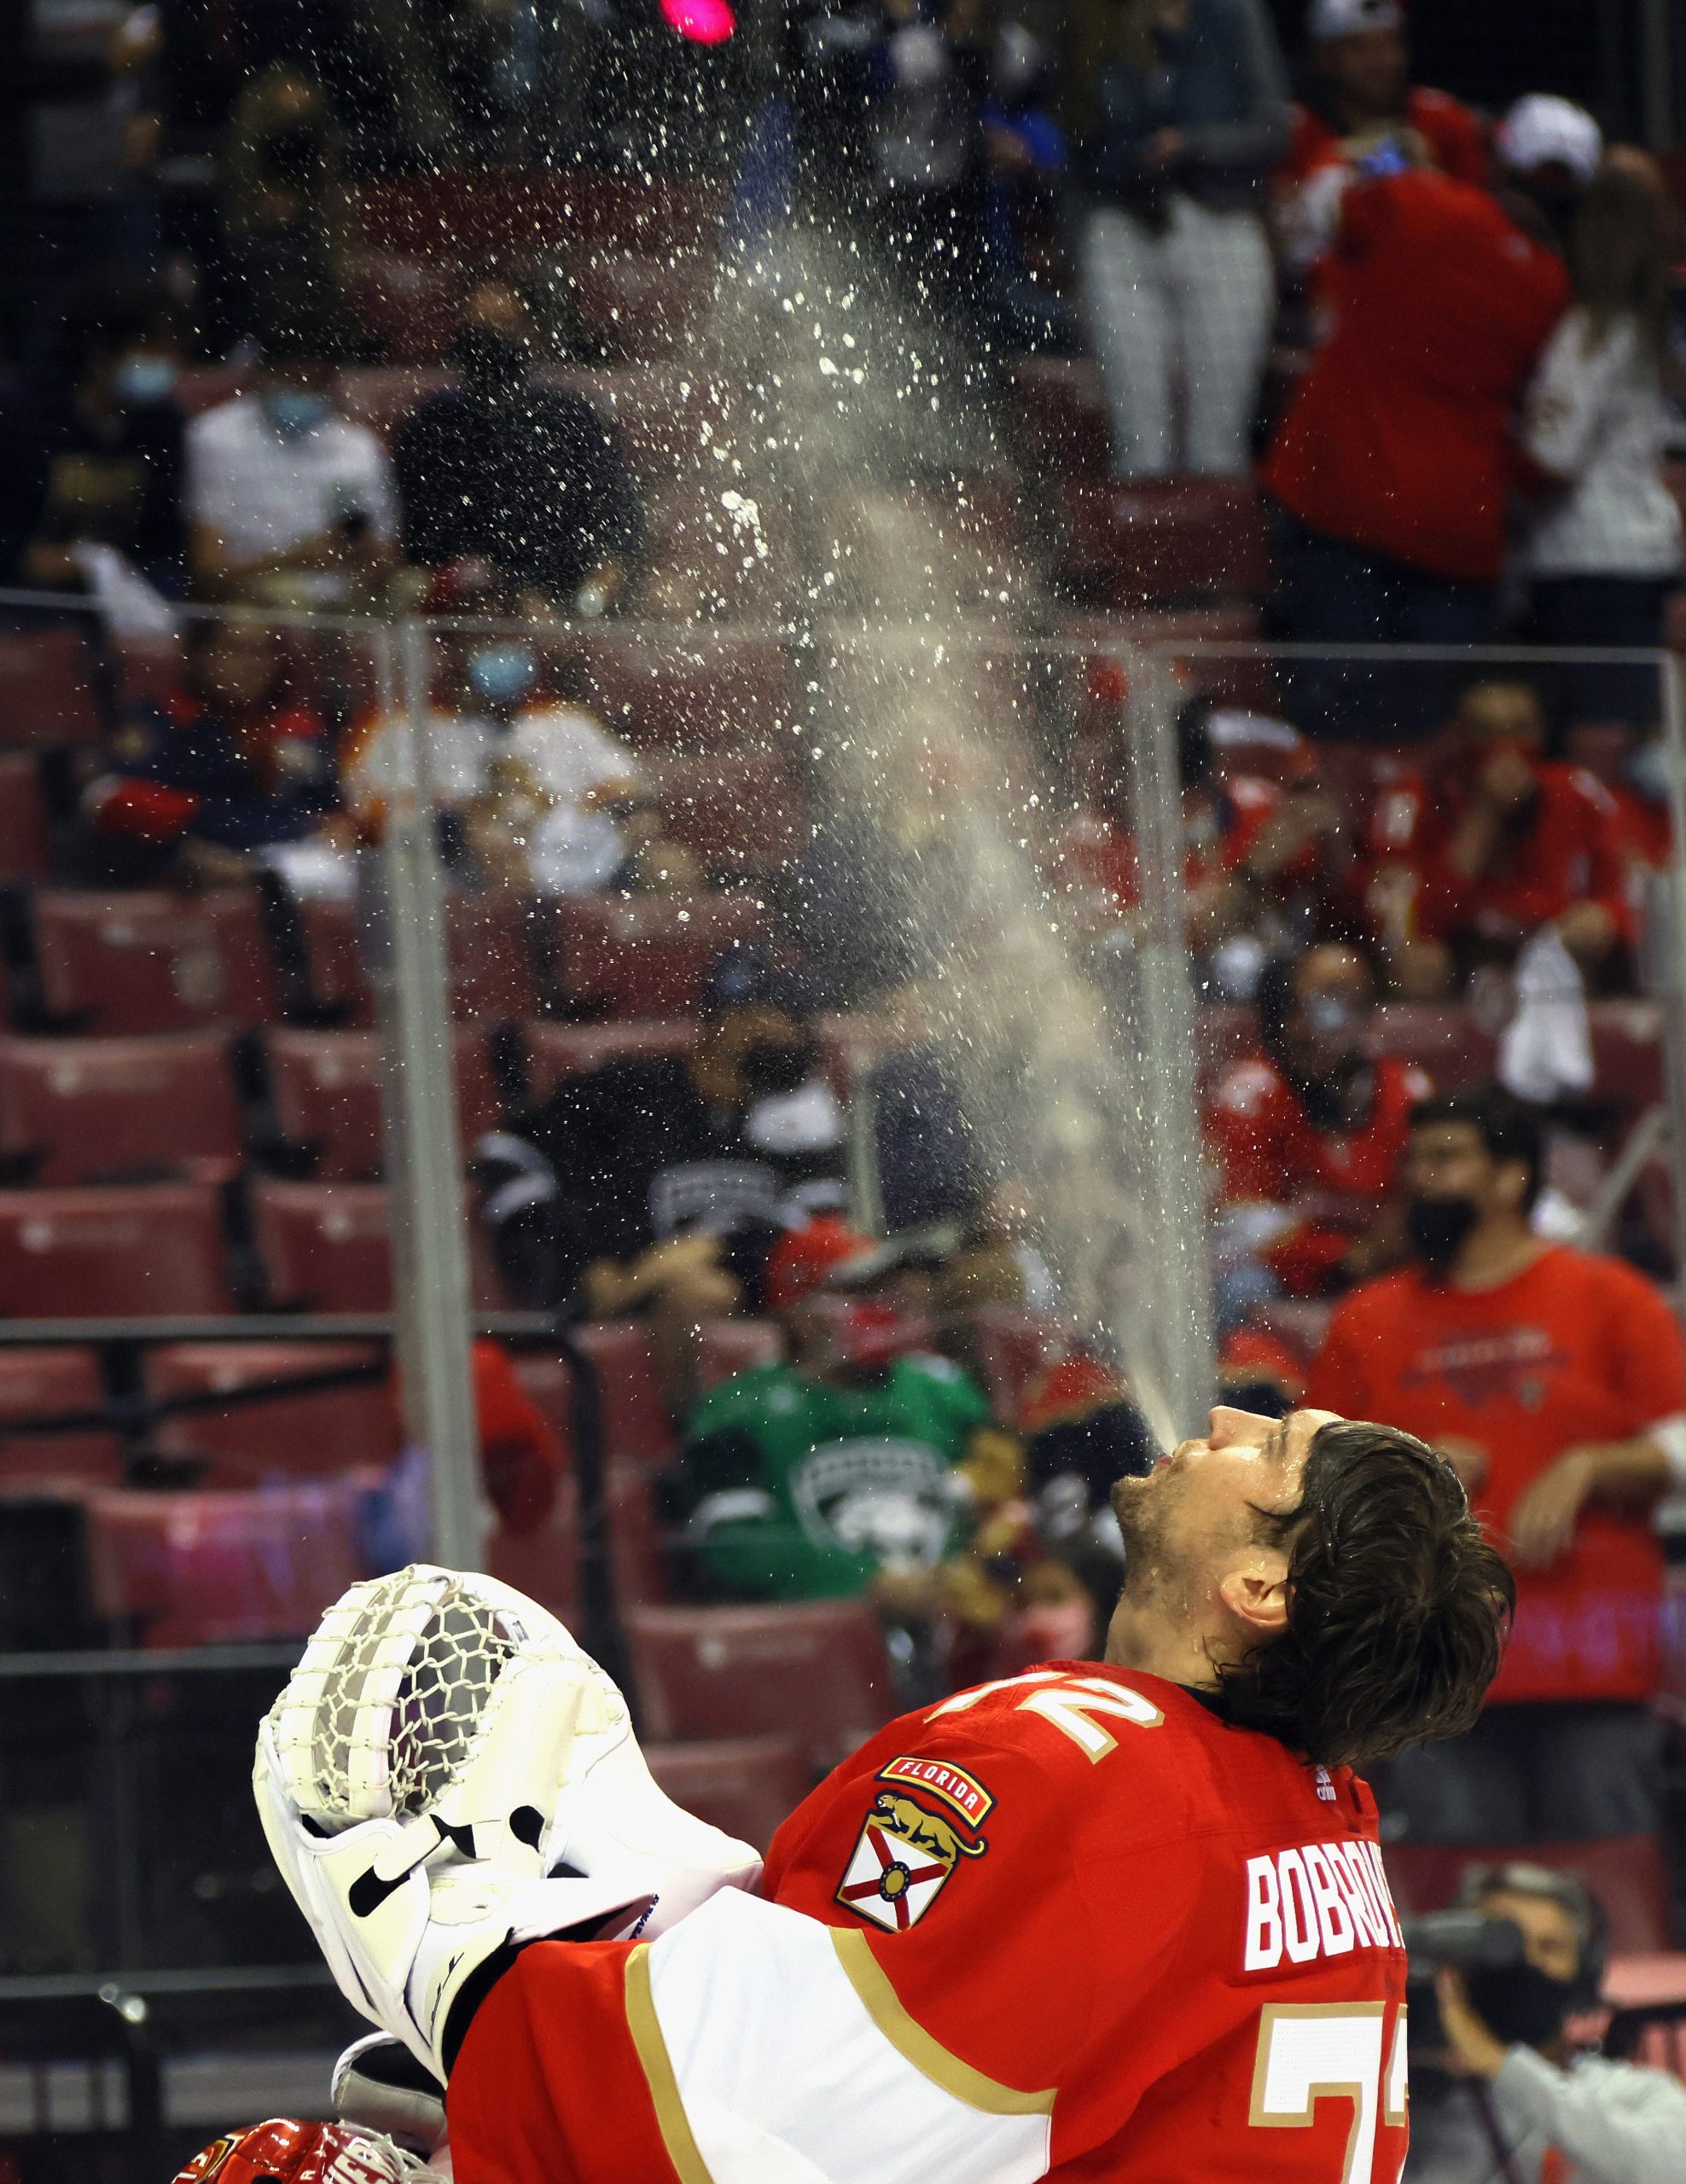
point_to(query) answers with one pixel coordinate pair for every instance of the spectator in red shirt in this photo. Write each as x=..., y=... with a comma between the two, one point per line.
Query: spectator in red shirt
x=1393, y=467
x=1553, y=1379
x=1309, y=1138
x=1477, y=852
x=1359, y=90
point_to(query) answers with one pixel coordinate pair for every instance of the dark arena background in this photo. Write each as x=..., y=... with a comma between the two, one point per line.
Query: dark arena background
x=767, y=777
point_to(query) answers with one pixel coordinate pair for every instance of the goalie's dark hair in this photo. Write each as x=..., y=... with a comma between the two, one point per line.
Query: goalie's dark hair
x=1398, y=1608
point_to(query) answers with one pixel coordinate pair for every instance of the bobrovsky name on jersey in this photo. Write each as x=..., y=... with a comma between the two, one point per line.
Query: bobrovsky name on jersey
x=1322, y=1899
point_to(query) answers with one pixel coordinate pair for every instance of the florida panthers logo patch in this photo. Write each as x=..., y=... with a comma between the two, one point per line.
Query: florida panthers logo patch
x=902, y=1862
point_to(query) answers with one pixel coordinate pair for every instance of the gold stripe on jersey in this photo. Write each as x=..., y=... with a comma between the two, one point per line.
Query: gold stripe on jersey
x=915, y=2045
x=670, y=2110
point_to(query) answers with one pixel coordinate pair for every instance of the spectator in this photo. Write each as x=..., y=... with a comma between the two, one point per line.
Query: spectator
x=1309, y=1138
x=1479, y=850
x=1507, y=2096
x=818, y=1477
x=223, y=767
x=1393, y=467
x=1262, y=864
x=926, y=193
x=1359, y=92
x=528, y=477
x=1193, y=113
x=1025, y=153
x=532, y=786
x=1604, y=550
x=90, y=446
x=291, y=503
x=1543, y=1375
x=286, y=205
x=661, y=1186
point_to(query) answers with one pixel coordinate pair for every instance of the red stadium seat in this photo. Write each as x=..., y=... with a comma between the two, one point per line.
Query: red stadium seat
x=1446, y=1041
x=25, y=847
x=636, y=1423
x=513, y=214
x=200, y=387
x=1625, y=1872
x=408, y=305
x=744, y=814
x=646, y=956
x=46, y=689
x=556, y=1051
x=1163, y=539
x=337, y=975
x=35, y=1383
x=634, y=306
x=1627, y=1052
x=728, y=1346
x=489, y=945
x=818, y=1669
x=107, y=1110
x=152, y=1249
x=315, y=1436
x=695, y=696
x=201, y=1568
x=147, y=669
x=154, y=961
x=326, y=1247
x=1062, y=414
x=636, y=1551
x=325, y=1087
x=380, y=396
x=746, y=1786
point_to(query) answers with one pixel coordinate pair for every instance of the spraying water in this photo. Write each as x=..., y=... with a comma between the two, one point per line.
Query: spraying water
x=862, y=443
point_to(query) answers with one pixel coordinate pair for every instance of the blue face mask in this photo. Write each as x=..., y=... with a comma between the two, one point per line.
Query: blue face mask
x=140, y=379
x=293, y=411
x=502, y=674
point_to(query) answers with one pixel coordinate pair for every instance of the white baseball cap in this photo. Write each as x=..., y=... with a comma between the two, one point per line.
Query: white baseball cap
x=1542, y=131
x=1343, y=18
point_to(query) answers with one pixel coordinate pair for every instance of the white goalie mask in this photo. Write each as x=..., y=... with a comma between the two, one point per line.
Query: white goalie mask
x=446, y=1771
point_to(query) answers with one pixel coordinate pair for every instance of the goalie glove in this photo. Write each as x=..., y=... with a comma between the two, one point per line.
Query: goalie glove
x=286, y=2152
x=448, y=1776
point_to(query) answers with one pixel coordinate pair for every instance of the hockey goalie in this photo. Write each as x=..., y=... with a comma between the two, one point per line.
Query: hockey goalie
x=1123, y=1919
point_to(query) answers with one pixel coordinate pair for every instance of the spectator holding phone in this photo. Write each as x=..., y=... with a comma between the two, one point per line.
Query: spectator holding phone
x=291, y=503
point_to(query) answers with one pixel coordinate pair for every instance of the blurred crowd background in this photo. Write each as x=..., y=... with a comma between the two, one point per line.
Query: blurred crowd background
x=1333, y=324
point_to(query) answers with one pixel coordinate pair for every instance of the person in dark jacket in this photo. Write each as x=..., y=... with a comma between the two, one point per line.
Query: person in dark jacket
x=527, y=476
x=1193, y=113
x=90, y=443
x=215, y=770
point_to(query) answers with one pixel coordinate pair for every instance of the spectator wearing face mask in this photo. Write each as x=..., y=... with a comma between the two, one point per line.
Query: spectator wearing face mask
x=1479, y=850
x=291, y=503
x=525, y=476
x=1603, y=550
x=1359, y=93
x=1504, y=2097
x=91, y=444
x=1394, y=465
x=844, y=1470
x=1553, y=1379
x=528, y=780
x=1193, y=113
x=660, y=1186
x=1309, y=1137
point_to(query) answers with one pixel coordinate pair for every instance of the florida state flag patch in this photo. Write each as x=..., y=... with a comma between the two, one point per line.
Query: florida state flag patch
x=902, y=1862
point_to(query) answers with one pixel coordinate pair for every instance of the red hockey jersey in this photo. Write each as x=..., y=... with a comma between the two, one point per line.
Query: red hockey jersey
x=1071, y=1924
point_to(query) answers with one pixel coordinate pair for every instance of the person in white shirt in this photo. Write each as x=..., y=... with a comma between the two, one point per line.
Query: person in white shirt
x=289, y=503
x=1604, y=548
x=529, y=773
